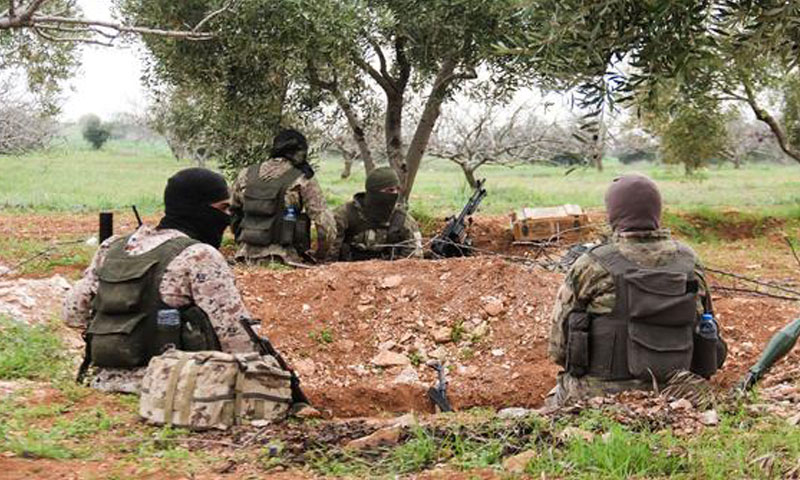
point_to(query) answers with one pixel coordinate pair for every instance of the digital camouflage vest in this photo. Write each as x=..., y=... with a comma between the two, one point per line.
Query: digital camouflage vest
x=132, y=323
x=365, y=240
x=650, y=331
x=263, y=208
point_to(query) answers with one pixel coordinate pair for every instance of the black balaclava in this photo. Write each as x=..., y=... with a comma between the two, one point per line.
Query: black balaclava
x=293, y=146
x=633, y=203
x=187, y=205
x=378, y=206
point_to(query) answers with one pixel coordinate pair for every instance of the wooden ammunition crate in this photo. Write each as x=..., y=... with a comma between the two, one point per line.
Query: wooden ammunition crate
x=562, y=223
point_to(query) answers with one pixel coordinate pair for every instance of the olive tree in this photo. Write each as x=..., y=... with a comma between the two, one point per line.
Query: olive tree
x=271, y=61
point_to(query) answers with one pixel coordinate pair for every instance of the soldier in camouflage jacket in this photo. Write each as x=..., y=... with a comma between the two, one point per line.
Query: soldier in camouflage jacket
x=634, y=207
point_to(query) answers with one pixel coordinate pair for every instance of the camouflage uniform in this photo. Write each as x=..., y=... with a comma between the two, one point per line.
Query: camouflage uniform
x=589, y=283
x=313, y=200
x=409, y=235
x=199, y=275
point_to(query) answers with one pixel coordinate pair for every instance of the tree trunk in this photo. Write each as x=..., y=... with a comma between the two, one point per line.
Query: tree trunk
x=426, y=123
x=358, y=134
x=469, y=173
x=348, y=166
x=394, y=133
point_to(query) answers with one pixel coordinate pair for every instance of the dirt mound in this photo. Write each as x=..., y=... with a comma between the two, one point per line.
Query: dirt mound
x=486, y=318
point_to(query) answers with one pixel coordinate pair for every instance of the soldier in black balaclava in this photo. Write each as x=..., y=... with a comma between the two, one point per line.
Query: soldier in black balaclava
x=374, y=225
x=274, y=204
x=161, y=286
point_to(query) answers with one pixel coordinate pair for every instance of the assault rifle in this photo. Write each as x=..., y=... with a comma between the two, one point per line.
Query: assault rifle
x=438, y=393
x=266, y=348
x=453, y=241
x=779, y=345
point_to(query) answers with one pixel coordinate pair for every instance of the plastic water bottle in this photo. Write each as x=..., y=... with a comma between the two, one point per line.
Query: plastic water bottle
x=289, y=222
x=708, y=327
x=290, y=214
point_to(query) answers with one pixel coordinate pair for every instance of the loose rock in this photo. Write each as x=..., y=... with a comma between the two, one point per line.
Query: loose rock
x=517, y=463
x=442, y=335
x=390, y=359
x=383, y=437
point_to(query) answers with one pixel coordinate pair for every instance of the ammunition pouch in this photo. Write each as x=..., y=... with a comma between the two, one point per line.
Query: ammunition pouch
x=132, y=324
x=577, y=363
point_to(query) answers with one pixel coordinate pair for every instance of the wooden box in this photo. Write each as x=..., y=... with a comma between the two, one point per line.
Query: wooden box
x=549, y=224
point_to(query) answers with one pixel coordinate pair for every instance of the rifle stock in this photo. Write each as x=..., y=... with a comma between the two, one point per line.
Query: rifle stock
x=265, y=348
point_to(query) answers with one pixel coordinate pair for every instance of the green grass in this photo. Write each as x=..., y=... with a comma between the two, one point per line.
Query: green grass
x=741, y=447
x=30, y=352
x=72, y=177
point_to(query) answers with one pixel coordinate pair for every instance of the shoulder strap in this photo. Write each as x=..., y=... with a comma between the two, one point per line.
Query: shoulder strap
x=609, y=256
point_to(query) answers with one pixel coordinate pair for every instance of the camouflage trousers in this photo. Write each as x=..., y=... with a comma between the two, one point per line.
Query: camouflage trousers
x=570, y=389
x=683, y=384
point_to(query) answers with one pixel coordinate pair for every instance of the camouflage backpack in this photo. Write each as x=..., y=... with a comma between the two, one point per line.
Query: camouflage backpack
x=203, y=390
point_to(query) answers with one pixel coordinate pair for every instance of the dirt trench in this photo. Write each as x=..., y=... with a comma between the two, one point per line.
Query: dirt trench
x=333, y=321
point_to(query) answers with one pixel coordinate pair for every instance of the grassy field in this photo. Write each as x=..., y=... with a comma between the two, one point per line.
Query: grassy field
x=72, y=177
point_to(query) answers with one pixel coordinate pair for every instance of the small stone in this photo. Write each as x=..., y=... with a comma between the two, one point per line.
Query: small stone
x=682, y=404
x=439, y=354
x=305, y=367
x=520, y=461
x=391, y=281
x=405, y=421
x=390, y=359
x=498, y=352
x=709, y=417
x=384, y=437
x=387, y=345
x=493, y=306
x=306, y=308
x=308, y=412
x=408, y=376
x=442, y=335
x=347, y=345
x=570, y=433
x=513, y=412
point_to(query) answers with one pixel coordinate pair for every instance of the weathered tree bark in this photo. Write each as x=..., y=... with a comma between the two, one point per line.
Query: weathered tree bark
x=764, y=116
x=358, y=134
x=393, y=130
x=348, y=166
x=427, y=121
x=469, y=173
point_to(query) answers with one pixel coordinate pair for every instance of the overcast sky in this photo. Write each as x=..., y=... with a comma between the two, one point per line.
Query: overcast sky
x=108, y=79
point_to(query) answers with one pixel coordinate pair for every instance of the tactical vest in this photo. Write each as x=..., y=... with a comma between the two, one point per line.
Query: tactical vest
x=264, y=205
x=365, y=240
x=650, y=331
x=132, y=323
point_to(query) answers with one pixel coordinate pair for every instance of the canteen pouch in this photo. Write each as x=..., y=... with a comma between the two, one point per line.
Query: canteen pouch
x=578, y=343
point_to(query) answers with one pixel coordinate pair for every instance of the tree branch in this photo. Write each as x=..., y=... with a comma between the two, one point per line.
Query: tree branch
x=773, y=124
x=381, y=59
x=30, y=19
x=376, y=75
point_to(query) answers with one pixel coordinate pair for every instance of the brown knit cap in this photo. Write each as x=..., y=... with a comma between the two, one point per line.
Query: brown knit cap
x=633, y=203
